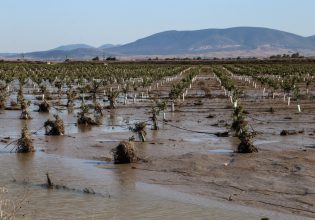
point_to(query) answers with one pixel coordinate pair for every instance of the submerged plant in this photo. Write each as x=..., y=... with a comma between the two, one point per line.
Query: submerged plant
x=125, y=152
x=240, y=125
x=44, y=106
x=156, y=109
x=71, y=94
x=238, y=120
x=84, y=119
x=246, y=138
x=139, y=128
x=112, y=96
x=155, y=112
x=25, y=143
x=98, y=109
x=55, y=127
x=25, y=115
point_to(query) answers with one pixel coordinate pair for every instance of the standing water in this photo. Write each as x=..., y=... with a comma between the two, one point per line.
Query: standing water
x=116, y=192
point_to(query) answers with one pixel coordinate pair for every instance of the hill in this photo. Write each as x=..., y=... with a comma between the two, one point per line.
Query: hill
x=230, y=42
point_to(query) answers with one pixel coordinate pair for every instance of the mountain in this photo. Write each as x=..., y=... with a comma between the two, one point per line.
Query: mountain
x=230, y=42
x=215, y=40
x=106, y=46
x=312, y=38
x=80, y=53
x=73, y=47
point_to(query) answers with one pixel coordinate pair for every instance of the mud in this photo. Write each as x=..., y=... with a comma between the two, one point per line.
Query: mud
x=190, y=173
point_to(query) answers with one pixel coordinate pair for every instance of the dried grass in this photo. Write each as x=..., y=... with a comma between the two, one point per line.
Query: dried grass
x=125, y=152
x=25, y=143
x=55, y=127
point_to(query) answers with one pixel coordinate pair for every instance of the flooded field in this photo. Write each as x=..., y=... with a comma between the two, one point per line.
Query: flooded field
x=188, y=170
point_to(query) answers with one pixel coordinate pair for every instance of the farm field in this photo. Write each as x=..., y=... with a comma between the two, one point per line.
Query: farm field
x=195, y=128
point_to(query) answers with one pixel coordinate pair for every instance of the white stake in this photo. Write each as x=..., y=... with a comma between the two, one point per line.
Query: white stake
x=289, y=100
x=125, y=100
x=264, y=92
x=235, y=104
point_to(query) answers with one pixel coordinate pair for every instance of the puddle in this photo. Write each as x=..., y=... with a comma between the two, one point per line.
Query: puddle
x=260, y=142
x=107, y=140
x=220, y=151
x=95, y=162
x=138, y=200
x=309, y=146
x=115, y=129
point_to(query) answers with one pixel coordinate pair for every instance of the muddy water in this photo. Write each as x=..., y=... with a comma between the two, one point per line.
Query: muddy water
x=118, y=194
x=76, y=161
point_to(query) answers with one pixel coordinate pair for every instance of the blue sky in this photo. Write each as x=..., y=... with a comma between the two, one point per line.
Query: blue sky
x=31, y=25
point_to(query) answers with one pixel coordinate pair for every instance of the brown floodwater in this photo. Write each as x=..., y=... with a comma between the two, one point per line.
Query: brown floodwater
x=167, y=186
x=118, y=193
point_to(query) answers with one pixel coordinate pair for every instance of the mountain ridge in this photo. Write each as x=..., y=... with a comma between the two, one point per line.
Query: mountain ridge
x=214, y=40
x=69, y=47
x=235, y=41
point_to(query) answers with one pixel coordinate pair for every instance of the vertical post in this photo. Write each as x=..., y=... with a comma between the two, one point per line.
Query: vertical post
x=235, y=104
x=125, y=100
x=289, y=100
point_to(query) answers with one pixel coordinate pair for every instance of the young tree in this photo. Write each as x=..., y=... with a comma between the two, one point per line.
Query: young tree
x=139, y=128
x=112, y=97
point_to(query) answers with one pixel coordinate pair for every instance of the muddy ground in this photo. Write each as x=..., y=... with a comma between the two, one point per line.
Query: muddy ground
x=184, y=155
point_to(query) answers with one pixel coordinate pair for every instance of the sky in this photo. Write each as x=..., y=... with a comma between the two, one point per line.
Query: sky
x=35, y=25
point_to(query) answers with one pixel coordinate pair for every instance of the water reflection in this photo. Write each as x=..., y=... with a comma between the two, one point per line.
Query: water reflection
x=122, y=197
x=112, y=121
